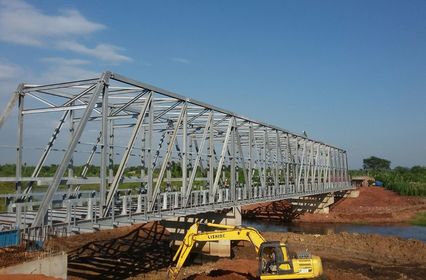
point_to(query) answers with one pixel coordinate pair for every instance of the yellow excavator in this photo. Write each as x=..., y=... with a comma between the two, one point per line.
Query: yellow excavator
x=275, y=261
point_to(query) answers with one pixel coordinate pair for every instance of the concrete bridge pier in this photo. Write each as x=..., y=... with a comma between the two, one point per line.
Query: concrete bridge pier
x=179, y=225
x=324, y=205
x=321, y=203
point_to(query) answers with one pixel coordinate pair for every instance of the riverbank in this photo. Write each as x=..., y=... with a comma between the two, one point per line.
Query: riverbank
x=374, y=205
x=404, y=231
x=142, y=252
x=345, y=257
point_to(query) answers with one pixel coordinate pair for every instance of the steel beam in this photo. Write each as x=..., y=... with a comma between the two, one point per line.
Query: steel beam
x=20, y=136
x=41, y=213
x=197, y=160
x=114, y=185
x=166, y=159
x=222, y=159
x=104, y=148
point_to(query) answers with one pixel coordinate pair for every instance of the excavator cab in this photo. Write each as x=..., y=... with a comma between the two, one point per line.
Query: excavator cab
x=273, y=259
x=275, y=263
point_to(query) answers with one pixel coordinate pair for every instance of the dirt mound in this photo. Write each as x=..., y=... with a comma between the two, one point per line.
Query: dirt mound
x=344, y=256
x=116, y=254
x=363, y=247
x=374, y=205
x=26, y=277
x=377, y=197
x=16, y=255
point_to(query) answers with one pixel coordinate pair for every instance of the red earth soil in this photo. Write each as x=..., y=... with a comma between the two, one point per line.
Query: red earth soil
x=26, y=277
x=374, y=205
x=142, y=251
x=344, y=256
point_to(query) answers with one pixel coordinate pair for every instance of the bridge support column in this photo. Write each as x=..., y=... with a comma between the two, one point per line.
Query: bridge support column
x=324, y=206
x=139, y=207
x=124, y=209
x=353, y=193
x=89, y=209
x=179, y=225
x=30, y=204
x=68, y=208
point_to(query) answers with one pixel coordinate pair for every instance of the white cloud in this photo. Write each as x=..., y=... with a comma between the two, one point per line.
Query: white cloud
x=180, y=60
x=65, y=61
x=9, y=71
x=61, y=69
x=23, y=24
x=104, y=52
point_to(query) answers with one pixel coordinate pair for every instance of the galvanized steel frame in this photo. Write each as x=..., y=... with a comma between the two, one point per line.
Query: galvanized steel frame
x=272, y=160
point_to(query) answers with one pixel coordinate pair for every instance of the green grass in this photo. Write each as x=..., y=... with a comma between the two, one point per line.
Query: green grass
x=408, y=188
x=419, y=219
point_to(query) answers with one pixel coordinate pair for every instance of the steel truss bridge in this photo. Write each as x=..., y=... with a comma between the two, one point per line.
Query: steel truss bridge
x=187, y=156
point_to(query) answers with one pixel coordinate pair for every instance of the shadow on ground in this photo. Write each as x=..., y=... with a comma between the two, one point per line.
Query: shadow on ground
x=285, y=211
x=142, y=250
x=224, y=274
x=278, y=211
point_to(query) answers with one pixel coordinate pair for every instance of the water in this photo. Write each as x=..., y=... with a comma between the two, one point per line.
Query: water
x=403, y=231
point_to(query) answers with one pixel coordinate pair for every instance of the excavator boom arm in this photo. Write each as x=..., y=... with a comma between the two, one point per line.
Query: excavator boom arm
x=223, y=233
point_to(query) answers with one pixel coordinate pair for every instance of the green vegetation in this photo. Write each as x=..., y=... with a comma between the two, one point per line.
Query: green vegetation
x=375, y=163
x=403, y=180
x=8, y=170
x=420, y=219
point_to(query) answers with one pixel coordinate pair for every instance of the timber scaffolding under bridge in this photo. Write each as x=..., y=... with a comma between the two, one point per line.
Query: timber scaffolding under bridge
x=157, y=155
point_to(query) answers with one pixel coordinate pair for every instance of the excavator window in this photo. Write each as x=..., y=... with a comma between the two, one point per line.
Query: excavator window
x=273, y=261
x=269, y=260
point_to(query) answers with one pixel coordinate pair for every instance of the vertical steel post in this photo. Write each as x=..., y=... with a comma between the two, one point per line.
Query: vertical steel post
x=265, y=137
x=328, y=167
x=71, y=163
x=288, y=161
x=242, y=161
x=143, y=152
x=233, y=166
x=104, y=148
x=211, y=155
x=47, y=199
x=117, y=178
x=20, y=136
x=149, y=155
x=184, y=153
x=347, y=179
x=251, y=159
x=222, y=159
x=111, y=151
x=166, y=158
x=277, y=156
x=197, y=160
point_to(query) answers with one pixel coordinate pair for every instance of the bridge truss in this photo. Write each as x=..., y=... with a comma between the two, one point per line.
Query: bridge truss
x=158, y=153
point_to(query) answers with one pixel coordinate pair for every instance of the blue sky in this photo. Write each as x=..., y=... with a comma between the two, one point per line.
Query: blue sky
x=350, y=73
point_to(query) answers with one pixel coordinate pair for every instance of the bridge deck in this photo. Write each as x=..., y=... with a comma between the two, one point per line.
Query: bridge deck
x=82, y=214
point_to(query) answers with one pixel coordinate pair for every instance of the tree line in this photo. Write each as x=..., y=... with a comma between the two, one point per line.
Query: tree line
x=404, y=180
